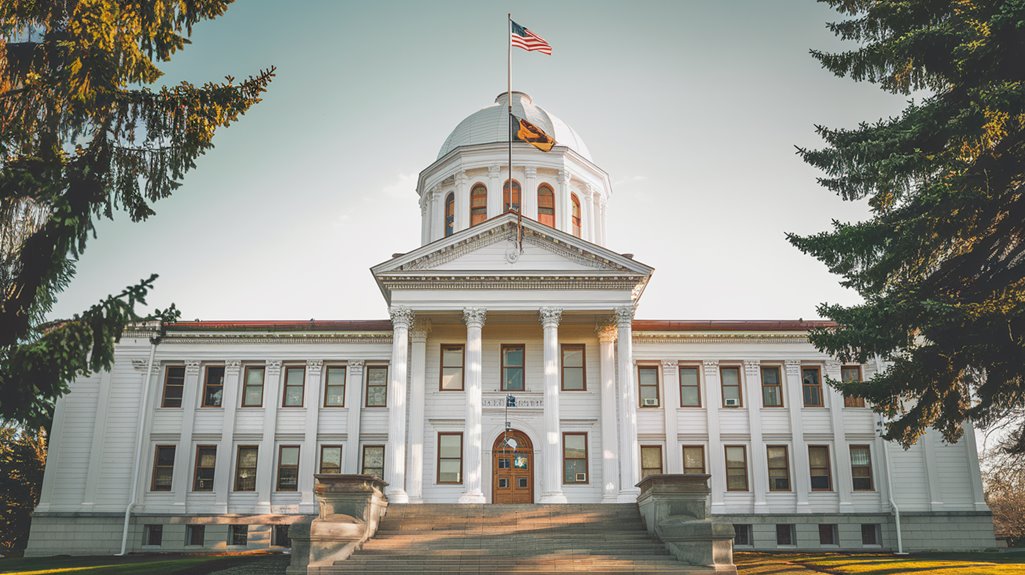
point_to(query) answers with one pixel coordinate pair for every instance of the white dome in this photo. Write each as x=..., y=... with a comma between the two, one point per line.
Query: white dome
x=490, y=125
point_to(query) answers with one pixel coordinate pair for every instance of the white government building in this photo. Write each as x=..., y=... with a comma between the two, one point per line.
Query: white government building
x=209, y=436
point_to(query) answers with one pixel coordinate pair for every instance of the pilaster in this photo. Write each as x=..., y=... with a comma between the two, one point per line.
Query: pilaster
x=671, y=410
x=417, y=383
x=551, y=488
x=462, y=190
x=563, y=213
x=629, y=449
x=223, y=461
x=395, y=469
x=495, y=191
x=932, y=471
x=308, y=453
x=716, y=454
x=802, y=473
x=182, y=459
x=354, y=402
x=99, y=440
x=834, y=402
x=609, y=421
x=473, y=448
x=759, y=456
x=529, y=197
x=266, y=455
x=972, y=452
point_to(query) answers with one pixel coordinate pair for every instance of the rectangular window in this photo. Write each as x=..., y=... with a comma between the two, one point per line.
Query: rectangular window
x=280, y=538
x=870, y=534
x=861, y=468
x=206, y=462
x=574, y=458
x=811, y=384
x=743, y=534
x=647, y=385
x=779, y=468
x=373, y=460
x=785, y=534
x=288, y=468
x=295, y=385
x=818, y=461
x=252, y=386
x=334, y=386
x=736, y=468
x=651, y=460
x=330, y=459
x=772, y=387
x=163, y=468
x=690, y=387
x=848, y=374
x=828, y=534
x=213, y=386
x=174, y=386
x=573, y=376
x=152, y=535
x=694, y=459
x=238, y=535
x=512, y=367
x=452, y=366
x=245, y=468
x=450, y=458
x=377, y=386
x=195, y=535
x=730, y=379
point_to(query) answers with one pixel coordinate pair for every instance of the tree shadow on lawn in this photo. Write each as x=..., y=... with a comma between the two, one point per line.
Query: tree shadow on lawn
x=150, y=564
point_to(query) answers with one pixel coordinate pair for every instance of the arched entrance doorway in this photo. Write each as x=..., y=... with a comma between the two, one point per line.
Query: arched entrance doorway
x=512, y=465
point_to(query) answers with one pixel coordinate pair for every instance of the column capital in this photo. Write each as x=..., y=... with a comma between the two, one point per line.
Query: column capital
x=530, y=171
x=564, y=177
x=459, y=178
x=606, y=331
x=232, y=366
x=550, y=316
x=401, y=316
x=419, y=330
x=670, y=364
x=494, y=171
x=752, y=366
x=793, y=366
x=313, y=366
x=356, y=366
x=625, y=315
x=711, y=365
x=273, y=366
x=192, y=366
x=474, y=316
x=833, y=364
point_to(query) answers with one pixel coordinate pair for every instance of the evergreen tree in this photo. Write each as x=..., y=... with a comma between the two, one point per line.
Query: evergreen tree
x=83, y=137
x=22, y=460
x=941, y=261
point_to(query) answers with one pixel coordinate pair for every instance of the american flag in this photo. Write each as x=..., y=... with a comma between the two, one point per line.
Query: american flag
x=529, y=41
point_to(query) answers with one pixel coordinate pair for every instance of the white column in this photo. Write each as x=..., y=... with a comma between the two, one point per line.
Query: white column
x=931, y=471
x=425, y=219
x=182, y=459
x=354, y=404
x=609, y=421
x=629, y=449
x=834, y=402
x=224, y=456
x=593, y=208
x=462, y=191
x=671, y=410
x=417, y=382
x=551, y=455
x=564, y=209
x=602, y=223
x=759, y=455
x=395, y=468
x=972, y=452
x=716, y=453
x=529, y=197
x=309, y=453
x=266, y=454
x=438, y=214
x=473, y=448
x=795, y=403
x=495, y=192
x=99, y=439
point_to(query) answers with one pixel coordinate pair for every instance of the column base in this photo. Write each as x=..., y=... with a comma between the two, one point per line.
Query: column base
x=262, y=507
x=803, y=507
x=846, y=507
x=396, y=495
x=629, y=495
x=761, y=507
x=717, y=508
x=472, y=498
x=553, y=498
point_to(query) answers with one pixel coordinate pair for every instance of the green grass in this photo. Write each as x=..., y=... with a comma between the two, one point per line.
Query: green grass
x=129, y=565
x=881, y=563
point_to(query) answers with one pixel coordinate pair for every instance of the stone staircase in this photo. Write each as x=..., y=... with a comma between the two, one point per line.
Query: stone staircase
x=495, y=539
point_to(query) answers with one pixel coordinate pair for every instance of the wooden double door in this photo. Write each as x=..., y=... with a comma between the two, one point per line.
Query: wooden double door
x=512, y=465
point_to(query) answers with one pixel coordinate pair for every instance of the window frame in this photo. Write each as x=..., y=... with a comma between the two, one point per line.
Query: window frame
x=190, y=530
x=442, y=366
x=344, y=385
x=853, y=401
x=167, y=376
x=237, y=477
x=658, y=386
x=779, y=385
x=739, y=386
x=828, y=468
x=246, y=386
x=509, y=191
x=280, y=466
x=785, y=468
x=704, y=463
x=586, y=458
x=341, y=454
x=206, y=385
x=877, y=534
x=503, y=366
x=550, y=191
x=284, y=385
x=562, y=365
x=868, y=466
x=156, y=465
x=197, y=467
x=233, y=531
x=679, y=377
x=148, y=530
x=363, y=458
x=834, y=534
x=817, y=386
x=366, y=383
x=744, y=528
x=482, y=210
x=747, y=465
x=449, y=219
x=661, y=460
x=439, y=458
x=791, y=531
x=576, y=216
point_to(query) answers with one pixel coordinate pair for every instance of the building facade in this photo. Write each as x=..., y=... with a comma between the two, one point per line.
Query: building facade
x=511, y=370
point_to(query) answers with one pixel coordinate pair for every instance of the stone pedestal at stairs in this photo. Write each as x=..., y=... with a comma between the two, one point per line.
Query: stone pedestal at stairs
x=351, y=508
x=675, y=508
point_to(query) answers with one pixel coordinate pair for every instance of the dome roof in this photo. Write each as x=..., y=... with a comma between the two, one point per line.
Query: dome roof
x=489, y=125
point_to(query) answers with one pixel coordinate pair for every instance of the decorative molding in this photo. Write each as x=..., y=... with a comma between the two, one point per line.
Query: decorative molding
x=273, y=365
x=530, y=172
x=474, y=316
x=512, y=283
x=494, y=171
x=564, y=178
x=285, y=337
x=313, y=366
x=625, y=315
x=401, y=316
x=752, y=367
x=460, y=178
x=793, y=366
x=419, y=330
x=833, y=364
x=606, y=330
x=670, y=363
x=550, y=316
x=232, y=366
x=736, y=337
x=192, y=366
x=711, y=365
x=140, y=365
x=355, y=367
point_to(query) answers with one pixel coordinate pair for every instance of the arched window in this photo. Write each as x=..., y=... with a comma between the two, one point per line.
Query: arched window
x=546, y=205
x=512, y=203
x=478, y=204
x=450, y=214
x=576, y=215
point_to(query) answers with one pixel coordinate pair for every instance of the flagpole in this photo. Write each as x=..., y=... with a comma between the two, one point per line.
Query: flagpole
x=508, y=97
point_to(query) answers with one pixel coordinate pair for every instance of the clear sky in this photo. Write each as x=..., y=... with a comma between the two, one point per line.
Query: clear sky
x=693, y=108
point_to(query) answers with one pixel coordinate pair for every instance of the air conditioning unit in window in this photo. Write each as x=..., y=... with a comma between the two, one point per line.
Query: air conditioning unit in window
x=731, y=402
x=581, y=478
x=650, y=402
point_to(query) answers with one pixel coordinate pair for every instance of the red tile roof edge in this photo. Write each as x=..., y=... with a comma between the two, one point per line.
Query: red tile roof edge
x=730, y=325
x=385, y=325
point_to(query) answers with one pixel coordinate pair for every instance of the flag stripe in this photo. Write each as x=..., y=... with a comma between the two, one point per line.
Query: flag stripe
x=529, y=41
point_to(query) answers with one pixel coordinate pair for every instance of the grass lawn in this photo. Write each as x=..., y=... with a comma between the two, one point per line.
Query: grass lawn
x=164, y=564
x=880, y=564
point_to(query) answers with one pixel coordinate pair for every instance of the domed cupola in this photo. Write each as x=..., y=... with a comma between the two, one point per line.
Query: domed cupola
x=469, y=181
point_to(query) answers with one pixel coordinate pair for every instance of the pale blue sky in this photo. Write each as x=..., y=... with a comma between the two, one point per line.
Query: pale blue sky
x=694, y=109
